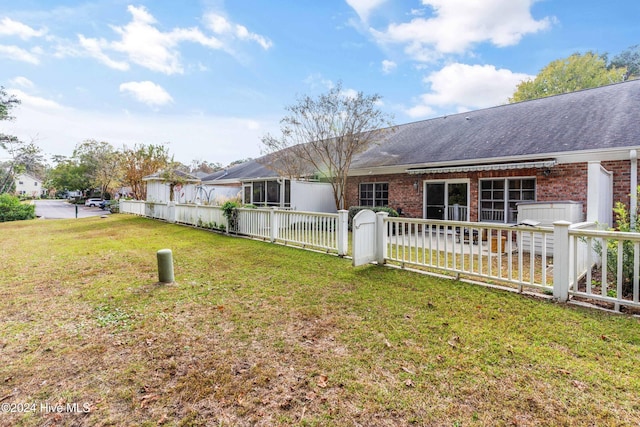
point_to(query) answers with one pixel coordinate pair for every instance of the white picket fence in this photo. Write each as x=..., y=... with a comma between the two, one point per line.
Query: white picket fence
x=567, y=260
x=322, y=231
x=559, y=260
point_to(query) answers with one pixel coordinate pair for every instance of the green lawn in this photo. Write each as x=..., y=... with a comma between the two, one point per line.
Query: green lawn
x=256, y=333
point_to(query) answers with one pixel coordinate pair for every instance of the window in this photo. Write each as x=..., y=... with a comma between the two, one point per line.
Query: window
x=267, y=193
x=499, y=198
x=374, y=194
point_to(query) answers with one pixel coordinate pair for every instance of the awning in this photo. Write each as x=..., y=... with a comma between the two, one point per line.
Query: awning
x=485, y=167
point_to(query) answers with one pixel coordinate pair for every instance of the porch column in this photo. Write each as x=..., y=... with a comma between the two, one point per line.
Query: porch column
x=593, y=191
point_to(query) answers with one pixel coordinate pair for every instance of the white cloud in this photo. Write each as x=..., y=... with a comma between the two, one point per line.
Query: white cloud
x=57, y=129
x=94, y=47
x=144, y=44
x=22, y=81
x=9, y=27
x=456, y=25
x=364, y=7
x=388, y=66
x=221, y=26
x=32, y=101
x=461, y=87
x=19, y=54
x=148, y=92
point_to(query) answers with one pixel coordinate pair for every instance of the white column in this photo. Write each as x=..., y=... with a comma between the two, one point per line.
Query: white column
x=593, y=192
x=561, y=261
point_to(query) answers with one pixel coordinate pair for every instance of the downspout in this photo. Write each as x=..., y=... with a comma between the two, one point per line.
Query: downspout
x=633, y=209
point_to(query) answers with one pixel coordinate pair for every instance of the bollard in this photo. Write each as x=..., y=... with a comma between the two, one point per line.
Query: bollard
x=165, y=266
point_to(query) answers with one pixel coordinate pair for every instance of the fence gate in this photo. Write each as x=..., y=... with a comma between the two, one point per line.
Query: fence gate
x=364, y=237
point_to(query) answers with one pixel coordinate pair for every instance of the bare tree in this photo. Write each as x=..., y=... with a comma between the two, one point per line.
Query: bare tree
x=321, y=136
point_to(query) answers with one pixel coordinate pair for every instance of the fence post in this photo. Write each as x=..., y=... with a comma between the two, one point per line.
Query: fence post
x=561, y=261
x=343, y=232
x=273, y=221
x=381, y=238
x=171, y=212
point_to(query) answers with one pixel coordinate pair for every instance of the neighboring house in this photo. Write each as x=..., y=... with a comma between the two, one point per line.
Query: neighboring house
x=29, y=186
x=477, y=166
x=159, y=190
x=261, y=186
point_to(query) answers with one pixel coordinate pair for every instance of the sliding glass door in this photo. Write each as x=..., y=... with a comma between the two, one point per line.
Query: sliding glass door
x=446, y=200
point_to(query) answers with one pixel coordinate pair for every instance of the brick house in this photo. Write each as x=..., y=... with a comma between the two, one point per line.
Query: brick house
x=478, y=165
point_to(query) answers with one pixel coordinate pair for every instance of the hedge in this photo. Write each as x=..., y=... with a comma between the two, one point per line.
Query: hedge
x=12, y=210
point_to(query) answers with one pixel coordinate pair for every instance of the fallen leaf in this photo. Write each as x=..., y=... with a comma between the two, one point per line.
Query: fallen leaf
x=408, y=371
x=322, y=381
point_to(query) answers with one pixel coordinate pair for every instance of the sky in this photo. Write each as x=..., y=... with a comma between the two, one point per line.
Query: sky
x=210, y=78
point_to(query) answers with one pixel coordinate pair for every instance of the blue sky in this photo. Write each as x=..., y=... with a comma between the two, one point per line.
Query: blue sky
x=210, y=78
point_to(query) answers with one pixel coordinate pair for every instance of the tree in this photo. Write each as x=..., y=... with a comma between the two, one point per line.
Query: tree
x=101, y=164
x=629, y=59
x=23, y=157
x=323, y=135
x=140, y=161
x=68, y=174
x=574, y=73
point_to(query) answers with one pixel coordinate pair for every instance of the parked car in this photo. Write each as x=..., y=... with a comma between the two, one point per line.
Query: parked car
x=93, y=202
x=109, y=205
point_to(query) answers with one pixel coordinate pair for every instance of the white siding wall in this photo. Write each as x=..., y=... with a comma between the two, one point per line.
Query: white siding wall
x=28, y=185
x=312, y=197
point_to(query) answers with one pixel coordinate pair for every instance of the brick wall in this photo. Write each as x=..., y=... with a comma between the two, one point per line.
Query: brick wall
x=564, y=182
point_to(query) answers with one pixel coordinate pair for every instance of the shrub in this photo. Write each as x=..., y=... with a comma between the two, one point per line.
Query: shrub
x=353, y=210
x=12, y=210
x=230, y=211
x=623, y=223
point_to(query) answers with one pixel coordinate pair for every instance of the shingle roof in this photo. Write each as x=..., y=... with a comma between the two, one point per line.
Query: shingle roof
x=246, y=170
x=600, y=118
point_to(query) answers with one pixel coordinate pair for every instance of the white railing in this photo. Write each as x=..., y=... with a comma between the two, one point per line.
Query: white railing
x=489, y=251
x=254, y=222
x=201, y=216
x=616, y=280
x=156, y=210
x=323, y=231
x=135, y=207
x=308, y=229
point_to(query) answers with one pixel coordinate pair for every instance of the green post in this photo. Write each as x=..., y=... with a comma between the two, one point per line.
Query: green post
x=165, y=266
x=76, y=211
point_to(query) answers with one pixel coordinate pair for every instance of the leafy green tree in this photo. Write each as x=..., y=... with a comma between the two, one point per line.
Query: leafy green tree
x=629, y=59
x=101, y=164
x=322, y=135
x=23, y=157
x=69, y=175
x=577, y=72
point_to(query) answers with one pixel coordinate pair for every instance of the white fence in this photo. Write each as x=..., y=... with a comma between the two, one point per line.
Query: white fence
x=584, y=263
x=323, y=231
x=567, y=260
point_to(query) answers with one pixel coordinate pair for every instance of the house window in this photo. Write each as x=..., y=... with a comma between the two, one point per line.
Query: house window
x=374, y=194
x=499, y=198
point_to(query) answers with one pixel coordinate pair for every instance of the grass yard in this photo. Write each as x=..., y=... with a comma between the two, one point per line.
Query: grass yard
x=260, y=334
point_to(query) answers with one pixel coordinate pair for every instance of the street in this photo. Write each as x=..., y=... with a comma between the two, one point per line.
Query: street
x=60, y=209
